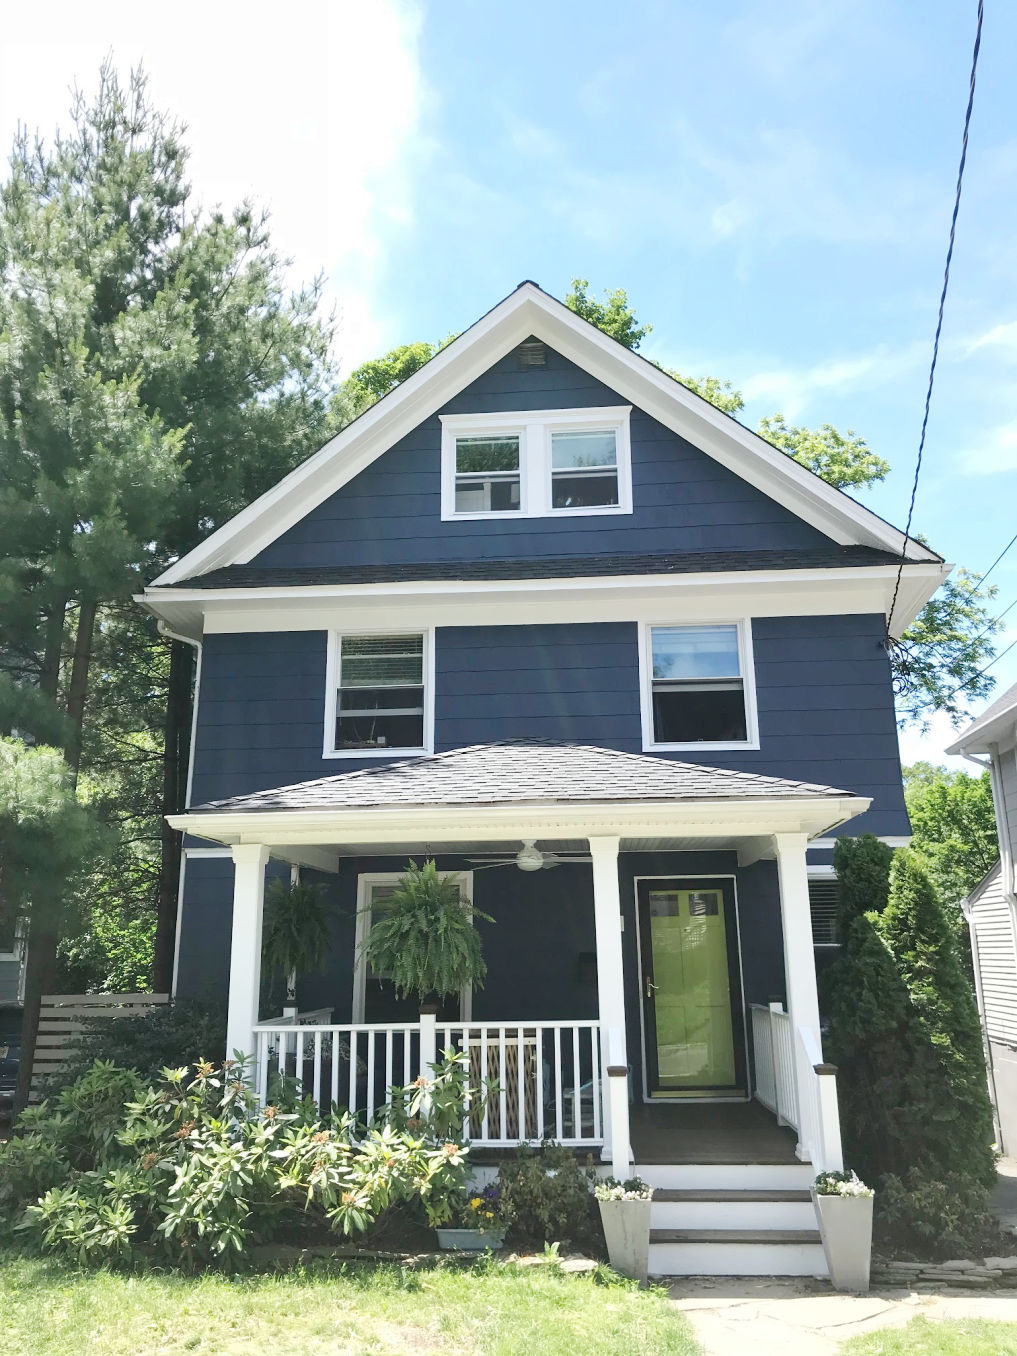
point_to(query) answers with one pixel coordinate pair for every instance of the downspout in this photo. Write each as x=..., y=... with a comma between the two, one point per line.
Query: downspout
x=165, y=631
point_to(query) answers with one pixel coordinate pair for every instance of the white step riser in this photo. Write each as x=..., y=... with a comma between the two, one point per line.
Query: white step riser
x=737, y=1259
x=727, y=1176
x=732, y=1215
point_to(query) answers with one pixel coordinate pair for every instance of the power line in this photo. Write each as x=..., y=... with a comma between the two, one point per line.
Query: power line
x=942, y=305
x=975, y=676
x=982, y=578
x=992, y=624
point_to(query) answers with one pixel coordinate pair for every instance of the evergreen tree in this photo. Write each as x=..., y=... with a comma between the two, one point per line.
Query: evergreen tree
x=951, y=1116
x=862, y=865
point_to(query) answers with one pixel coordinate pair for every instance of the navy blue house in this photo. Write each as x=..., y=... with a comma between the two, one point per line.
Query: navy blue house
x=548, y=617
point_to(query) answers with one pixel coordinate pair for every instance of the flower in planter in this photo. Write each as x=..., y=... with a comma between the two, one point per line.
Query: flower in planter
x=632, y=1189
x=841, y=1184
x=485, y=1210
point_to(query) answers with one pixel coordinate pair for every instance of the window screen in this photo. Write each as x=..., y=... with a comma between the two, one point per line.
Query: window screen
x=824, y=901
x=698, y=692
x=487, y=474
x=381, y=692
x=584, y=469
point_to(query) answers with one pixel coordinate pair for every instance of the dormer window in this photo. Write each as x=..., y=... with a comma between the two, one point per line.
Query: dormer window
x=536, y=463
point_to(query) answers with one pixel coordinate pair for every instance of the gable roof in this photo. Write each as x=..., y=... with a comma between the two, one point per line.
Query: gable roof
x=530, y=311
x=524, y=771
x=995, y=721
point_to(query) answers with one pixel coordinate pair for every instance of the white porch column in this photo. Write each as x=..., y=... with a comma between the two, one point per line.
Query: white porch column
x=249, y=861
x=799, y=964
x=611, y=1002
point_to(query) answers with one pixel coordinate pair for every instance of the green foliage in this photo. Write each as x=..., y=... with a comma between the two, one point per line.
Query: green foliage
x=190, y=1169
x=842, y=459
x=551, y=1197
x=613, y=315
x=862, y=865
x=173, y=1034
x=422, y=938
x=297, y=929
x=934, y=1218
x=954, y=828
x=717, y=392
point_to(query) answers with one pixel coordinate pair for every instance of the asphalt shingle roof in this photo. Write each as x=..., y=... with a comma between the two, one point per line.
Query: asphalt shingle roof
x=1003, y=704
x=523, y=771
x=532, y=567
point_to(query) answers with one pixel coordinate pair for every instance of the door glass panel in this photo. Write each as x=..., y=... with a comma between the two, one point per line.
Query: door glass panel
x=692, y=990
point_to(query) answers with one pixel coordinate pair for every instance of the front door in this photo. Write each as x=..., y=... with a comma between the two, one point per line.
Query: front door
x=690, y=990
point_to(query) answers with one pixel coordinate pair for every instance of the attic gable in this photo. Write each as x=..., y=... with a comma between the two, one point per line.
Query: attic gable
x=527, y=314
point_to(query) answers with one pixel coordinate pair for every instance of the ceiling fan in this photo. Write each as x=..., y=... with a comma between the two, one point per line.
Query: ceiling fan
x=530, y=858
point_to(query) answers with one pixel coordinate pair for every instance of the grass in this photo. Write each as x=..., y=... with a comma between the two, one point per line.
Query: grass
x=938, y=1337
x=49, y=1309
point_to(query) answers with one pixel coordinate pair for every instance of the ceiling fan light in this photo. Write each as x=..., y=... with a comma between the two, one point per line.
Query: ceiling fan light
x=529, y=857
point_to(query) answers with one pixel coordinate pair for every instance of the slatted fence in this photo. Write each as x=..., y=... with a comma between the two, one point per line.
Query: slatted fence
x=62, y=1018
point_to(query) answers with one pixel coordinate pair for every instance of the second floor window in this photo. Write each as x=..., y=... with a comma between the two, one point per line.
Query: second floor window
x=487, y=474
x=584, y=469
x=697, y=686
x=380, y=699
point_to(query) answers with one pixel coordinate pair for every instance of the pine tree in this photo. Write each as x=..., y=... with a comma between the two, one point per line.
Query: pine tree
x=862, y=865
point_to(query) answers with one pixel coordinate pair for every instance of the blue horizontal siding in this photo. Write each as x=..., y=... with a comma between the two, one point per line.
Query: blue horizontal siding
x=683, y=500
x=822, y=718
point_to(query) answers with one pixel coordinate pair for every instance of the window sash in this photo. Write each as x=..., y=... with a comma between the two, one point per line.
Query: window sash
x=366, y=694
x=703, y=663
x=697, y=647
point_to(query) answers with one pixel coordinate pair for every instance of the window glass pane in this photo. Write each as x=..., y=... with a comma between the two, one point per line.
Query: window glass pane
x=487, y=454
x=7, y=933
x=381, y=661
x=695, y=652
x=381, y=692
x=575, y=450
x=379, y=730
x=487, y=494
x=694, y=714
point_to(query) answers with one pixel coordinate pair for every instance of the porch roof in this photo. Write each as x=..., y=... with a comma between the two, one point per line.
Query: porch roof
x=525, y=771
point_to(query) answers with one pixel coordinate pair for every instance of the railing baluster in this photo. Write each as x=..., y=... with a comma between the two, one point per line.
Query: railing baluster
x=484, y=1127
x=370, y=1076
x=262, y=1066
x=557, y=1084
x=299, y=1068
x=521, y=1084
x=354, y=1052
x=577, y=1093
x=317, y=1069
x=283, y=1055
x=388, y=1067
x=502, y=1087
x=407, y=1051
x=336, y=1049
x=538, y=1075
x=595, y=1078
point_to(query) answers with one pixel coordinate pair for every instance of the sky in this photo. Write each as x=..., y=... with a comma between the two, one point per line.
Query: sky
x=771, y=182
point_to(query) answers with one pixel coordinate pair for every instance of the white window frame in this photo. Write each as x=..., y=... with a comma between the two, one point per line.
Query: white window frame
x=364, y=884
x=534, y=429
x=746, y=663
x=329, y=749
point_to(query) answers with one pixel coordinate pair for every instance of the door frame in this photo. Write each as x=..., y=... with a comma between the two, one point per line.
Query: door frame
x=738, y=989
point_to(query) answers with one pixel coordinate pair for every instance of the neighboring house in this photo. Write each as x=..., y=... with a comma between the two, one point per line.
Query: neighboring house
x=990, y=910
x=543, y=607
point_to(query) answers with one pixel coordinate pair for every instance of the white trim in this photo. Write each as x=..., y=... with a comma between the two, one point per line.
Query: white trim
x=534, y=429
x=529, y=311
x=693, y=875
x=328, y=749
x=820, y=872
x=746, y=662
x=363, y=927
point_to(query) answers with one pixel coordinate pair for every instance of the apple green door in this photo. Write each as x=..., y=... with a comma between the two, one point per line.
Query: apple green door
x=691, y=1021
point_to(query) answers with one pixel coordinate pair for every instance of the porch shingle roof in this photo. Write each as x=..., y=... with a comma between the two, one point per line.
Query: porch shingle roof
x=523, y=771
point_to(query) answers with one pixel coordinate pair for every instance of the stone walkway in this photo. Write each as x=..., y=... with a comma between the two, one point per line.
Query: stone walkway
x=769, y=1317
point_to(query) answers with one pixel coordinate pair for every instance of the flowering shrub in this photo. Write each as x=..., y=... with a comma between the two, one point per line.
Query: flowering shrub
x=192, y=1169
x=841, y=1184
x=632, y=1189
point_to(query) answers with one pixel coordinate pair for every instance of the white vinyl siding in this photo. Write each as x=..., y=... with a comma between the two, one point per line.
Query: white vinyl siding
x=993, y=935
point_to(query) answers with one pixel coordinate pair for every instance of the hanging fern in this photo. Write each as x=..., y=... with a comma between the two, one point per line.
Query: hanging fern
x=422, y=938
x=297, y=931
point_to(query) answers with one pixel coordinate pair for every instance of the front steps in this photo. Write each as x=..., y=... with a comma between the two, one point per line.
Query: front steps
x=753, y=1219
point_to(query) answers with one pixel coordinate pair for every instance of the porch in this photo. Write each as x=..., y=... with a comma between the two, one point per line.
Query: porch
x=584, y=1076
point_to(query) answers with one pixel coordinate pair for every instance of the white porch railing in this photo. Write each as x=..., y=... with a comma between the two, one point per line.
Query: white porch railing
x=537, y=1080
x=792, y=1081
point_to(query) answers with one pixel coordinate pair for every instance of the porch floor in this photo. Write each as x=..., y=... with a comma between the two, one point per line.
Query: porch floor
x=709, y=1132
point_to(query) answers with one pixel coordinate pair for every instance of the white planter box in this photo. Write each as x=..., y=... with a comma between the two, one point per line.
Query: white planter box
x=627, y=1231
x=845, y=1224
x=471, y=1240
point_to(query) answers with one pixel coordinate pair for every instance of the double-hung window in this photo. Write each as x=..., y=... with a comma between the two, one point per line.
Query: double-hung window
x=699, y=686
x=380, y=688
x=536, y=463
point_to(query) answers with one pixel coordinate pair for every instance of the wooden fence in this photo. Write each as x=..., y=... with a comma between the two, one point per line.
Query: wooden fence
x=62, y=1018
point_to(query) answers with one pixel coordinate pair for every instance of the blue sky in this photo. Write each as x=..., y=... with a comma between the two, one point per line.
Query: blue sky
x=772, y=183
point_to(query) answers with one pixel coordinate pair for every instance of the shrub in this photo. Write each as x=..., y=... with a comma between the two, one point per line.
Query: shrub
x=190, y=1168
x=925, y=1217
x=165, y=1037
x=550, y=1195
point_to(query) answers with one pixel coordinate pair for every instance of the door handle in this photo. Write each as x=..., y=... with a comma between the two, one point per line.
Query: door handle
x=650, y=987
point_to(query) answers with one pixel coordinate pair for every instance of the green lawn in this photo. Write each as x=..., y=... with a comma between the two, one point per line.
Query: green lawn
x=51, y=1310
x=938, y=1337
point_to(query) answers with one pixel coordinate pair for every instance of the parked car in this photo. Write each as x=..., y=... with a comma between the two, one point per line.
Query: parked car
x=10, y=1063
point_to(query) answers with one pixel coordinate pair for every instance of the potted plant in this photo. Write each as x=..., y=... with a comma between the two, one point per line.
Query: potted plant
x=844, y=1208
x=477, y=1221
x=297, y=932
x=422, y=937
x=625, y=1215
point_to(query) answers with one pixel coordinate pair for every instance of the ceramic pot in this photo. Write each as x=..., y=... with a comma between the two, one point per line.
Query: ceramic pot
x=627, y=1231
x=845, y=1224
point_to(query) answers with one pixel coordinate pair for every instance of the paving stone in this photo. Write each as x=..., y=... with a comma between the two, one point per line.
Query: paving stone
x=579, y=1264
x=1002, y=1263
x=960, y=1265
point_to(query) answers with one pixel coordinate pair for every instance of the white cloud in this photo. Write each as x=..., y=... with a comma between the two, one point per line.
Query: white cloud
x=995, y=453
x=1003, y=336
x=791, y=389
x=314, y=112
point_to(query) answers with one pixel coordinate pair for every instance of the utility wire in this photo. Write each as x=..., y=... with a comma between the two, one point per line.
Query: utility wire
x=975, y=676
x=942, y=305
x=982, y=578
x=992, y=624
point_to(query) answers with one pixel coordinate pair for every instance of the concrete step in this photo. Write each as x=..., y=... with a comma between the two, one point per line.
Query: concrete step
x=727, y=1176
x=732, y=1209
x=736, y=1252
